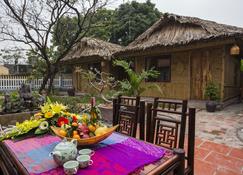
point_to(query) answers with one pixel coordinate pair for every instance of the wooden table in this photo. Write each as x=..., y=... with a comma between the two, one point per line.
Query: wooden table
x=172, y=161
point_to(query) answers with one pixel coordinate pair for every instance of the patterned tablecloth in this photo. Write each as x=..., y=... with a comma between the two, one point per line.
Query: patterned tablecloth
x=117, y=154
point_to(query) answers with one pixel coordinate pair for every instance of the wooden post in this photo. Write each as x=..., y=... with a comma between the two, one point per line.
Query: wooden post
x=137, y=116
x=142, y=120
x=180, y=170
x=191, y=139
x=153, y=121
x=148, y=122
x=183, y=124
x=114, y=120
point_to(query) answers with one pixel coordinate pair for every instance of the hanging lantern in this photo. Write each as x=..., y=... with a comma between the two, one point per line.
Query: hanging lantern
x=102, y=63
x=235, y=50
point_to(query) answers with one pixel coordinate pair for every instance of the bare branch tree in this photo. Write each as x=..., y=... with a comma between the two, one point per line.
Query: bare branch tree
x=99, y=81
x=32, y=23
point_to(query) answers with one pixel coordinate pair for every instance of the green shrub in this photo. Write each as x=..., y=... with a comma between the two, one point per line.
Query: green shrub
x=241, y=65
x=133, y=85
x=14, y=96
x=212, y=92
x=73, y=103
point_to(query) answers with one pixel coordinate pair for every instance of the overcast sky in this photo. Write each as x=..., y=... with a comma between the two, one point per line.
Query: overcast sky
x=222, y=11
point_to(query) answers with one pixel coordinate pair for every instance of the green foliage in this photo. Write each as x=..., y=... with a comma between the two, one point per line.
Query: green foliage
x=120, y=26
x=241, y=66
x=39, y=65
x=103, y=24
x=132, y=20
x=212, y=92
x=64, y=31
x=14, y=96
x=1, y=102
x=132, y=86
x=74, y=103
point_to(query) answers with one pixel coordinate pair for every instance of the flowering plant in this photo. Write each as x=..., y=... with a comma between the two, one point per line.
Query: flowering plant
x=55, y=114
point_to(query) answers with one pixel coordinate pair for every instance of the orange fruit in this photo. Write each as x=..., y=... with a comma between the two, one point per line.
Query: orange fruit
x=75, y=132
x=75, y=124
x=63, y=133
x=76, y=136
x=92, y=128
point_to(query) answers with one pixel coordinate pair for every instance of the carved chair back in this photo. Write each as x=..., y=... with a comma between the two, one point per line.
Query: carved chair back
x=166, y=126
x=126, y=114
x=168, y=123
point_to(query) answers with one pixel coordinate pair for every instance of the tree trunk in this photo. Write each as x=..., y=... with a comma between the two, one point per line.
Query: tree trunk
x=44, y=82
x=45, y=78
x=54, y=70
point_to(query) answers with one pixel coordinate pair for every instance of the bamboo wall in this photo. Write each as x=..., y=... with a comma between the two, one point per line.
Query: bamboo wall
x=206, y=66
x=179, y=86
x=232, y=75
x=81, y=84
x=190, y=72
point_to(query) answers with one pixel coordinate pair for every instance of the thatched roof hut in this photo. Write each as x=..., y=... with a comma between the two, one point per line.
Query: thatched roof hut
x=174, y=30
x=189, y=53
x=89, y=49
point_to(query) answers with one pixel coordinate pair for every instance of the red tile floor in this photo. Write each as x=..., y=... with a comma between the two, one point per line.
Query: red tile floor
x=217, y=159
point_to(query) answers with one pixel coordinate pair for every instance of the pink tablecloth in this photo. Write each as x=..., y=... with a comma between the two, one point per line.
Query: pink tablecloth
x=117, y=154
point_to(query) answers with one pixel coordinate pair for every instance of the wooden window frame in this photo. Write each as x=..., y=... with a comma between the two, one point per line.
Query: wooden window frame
x=157, y=58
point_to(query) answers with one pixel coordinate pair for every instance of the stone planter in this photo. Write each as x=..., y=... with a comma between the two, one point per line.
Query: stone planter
x=211, y=106
x=107, y=113
x=11, y=119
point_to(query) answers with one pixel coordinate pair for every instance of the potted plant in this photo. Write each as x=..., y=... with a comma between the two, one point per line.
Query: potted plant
x=212, y=94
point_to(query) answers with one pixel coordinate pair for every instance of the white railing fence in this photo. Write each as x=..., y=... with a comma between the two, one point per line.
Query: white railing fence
x=13, y=82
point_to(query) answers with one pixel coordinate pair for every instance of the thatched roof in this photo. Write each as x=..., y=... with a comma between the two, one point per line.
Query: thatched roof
x=91, y=48
x=173, y=30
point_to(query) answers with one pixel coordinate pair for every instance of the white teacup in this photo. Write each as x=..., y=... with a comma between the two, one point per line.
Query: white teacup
x=71, y=167
x=84, y=161
x=86, y=152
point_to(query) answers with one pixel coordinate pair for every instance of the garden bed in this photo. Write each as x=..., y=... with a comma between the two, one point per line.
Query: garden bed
x=11, y=119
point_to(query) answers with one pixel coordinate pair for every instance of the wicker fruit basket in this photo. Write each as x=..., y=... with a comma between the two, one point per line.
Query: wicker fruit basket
x=87, y=141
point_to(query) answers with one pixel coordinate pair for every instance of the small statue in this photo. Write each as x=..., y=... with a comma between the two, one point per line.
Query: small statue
x=7, y=106
x=26, y=98
x=25, y=92
x=42, y=97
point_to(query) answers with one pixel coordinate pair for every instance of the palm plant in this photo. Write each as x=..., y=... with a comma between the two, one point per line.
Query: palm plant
x=132, y=85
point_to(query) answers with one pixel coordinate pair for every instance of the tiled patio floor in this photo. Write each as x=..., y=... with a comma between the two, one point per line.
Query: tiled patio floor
x=223, y=127
x=217, y=159
x=219, y=147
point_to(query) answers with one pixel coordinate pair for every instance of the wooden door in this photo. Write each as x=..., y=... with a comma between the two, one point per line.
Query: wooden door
x=196, y=77
x=200, y=73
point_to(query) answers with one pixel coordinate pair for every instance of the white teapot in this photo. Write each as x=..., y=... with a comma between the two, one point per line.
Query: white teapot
x=65, y=151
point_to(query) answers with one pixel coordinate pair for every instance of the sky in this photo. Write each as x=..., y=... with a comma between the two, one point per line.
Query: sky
x=222, y=11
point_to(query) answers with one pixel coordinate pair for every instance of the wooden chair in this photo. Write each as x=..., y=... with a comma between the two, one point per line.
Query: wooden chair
x=127, y=112
x=166, y=126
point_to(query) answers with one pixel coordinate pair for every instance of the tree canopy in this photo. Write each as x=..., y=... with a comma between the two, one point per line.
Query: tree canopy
x=120, y=26
x=132, y=19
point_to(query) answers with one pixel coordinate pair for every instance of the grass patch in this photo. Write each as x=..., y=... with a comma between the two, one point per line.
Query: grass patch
x=1, y=101
x=73, y=102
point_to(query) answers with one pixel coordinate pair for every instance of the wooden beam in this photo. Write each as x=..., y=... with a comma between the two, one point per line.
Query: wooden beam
x=169, y=49
x=223, y=75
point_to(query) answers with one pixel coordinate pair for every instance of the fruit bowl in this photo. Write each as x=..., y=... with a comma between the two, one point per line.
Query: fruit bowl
x=87, y=141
